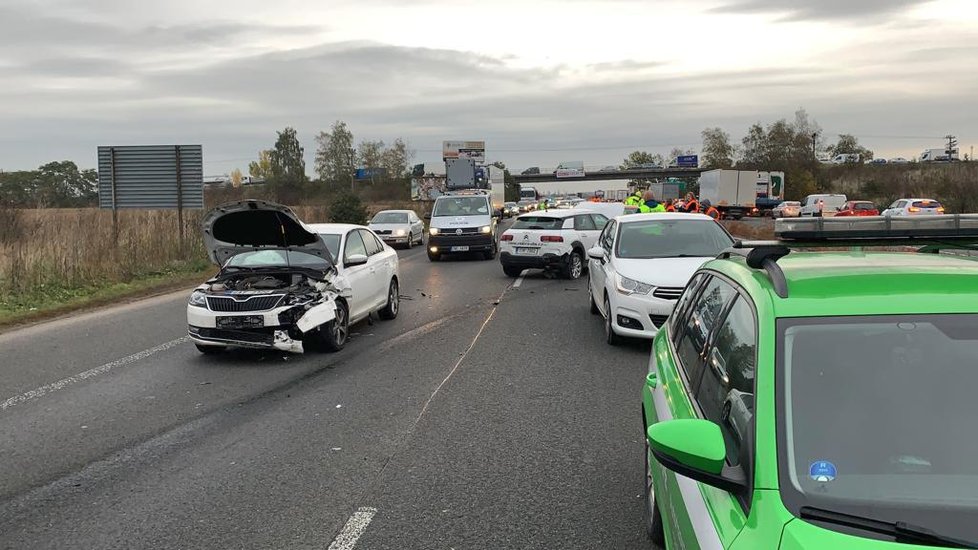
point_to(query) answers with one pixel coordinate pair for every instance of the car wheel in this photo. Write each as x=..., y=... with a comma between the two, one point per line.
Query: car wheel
x=433, y=257
x=410, y=243
x=725, y=413
x=575, y=266
x=333, y=335
x=653, y=519
x=393, y=302
x=609, y=331
x=210, y=350
x=512, y=271
x=491, y=255
x=590, y=298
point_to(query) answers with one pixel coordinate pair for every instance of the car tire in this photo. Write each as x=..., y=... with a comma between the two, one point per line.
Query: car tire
x=609, y=331
x=511, y=271
x=575, y=266
x=491, y=255
x=590, y=298
x=393, y=302
x=725, y=413
x=210, y=350
x=332, y=336
x=653, y=518
x=410, y=243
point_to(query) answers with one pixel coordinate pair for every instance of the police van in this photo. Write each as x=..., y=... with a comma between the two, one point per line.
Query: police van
x=463, y=222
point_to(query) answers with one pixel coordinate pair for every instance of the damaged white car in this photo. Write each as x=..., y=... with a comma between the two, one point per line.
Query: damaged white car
x=277, y=288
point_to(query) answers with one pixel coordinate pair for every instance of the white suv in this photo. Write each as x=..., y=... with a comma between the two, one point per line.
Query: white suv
x=914, y=207
x=556, y=239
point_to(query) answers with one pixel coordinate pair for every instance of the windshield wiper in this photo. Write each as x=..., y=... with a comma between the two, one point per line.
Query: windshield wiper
x=899, y=530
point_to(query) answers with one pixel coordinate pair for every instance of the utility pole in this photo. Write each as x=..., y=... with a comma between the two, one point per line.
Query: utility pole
x=952, y=143
x=353, y=169
x=814, y=144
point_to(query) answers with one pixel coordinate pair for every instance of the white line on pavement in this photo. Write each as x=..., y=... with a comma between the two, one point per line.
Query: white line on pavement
x=65, y=382
x=519, y=280
x=353, y=530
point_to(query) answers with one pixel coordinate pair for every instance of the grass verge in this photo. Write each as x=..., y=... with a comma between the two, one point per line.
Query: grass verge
x=48, y=302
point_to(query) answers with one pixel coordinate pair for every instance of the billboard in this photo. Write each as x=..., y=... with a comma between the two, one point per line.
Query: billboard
x=688, y=161
x=475, y=150
x=151, y=176
x=570, y=169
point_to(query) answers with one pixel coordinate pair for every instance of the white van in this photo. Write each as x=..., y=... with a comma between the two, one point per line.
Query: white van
x=847, y=158
x=462, y=221
x=830, y=206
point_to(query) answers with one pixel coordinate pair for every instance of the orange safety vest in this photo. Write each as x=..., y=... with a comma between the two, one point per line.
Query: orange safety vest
x=713, y=213
x=692, y=206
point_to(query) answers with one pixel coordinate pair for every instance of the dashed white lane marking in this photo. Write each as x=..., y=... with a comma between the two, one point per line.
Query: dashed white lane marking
x=519, y=280
x=353, y=530
x=65, y=382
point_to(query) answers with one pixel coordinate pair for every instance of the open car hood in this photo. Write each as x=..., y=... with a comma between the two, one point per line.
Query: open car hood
x=245, y=226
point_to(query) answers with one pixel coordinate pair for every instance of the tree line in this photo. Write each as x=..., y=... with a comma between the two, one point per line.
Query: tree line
x=57, y=184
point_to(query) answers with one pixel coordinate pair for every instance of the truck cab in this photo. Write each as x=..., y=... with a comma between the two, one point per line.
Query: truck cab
x=462, y=222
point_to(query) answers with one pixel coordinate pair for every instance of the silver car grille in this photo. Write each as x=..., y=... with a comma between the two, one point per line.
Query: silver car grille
x=668, y=292
x=251, y=303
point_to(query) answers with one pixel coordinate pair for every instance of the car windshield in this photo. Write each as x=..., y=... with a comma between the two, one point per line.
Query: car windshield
x=460, y=206
x=670, y=238
x=276, y=257
x=538, y=222
x=390, y=217
x=877, y=418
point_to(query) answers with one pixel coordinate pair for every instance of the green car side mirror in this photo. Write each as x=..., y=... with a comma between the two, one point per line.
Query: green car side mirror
x=695, y=448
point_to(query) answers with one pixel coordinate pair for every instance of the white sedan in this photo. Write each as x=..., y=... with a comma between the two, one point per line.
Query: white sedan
x=368, y=267
x=641, y=266
x=398, y=227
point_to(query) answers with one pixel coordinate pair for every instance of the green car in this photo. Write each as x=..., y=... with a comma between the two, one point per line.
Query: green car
x=820, y=400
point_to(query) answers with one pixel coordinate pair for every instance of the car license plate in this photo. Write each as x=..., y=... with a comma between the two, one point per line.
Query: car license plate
x=460, y=249
x=242, y=321
x=523, y=251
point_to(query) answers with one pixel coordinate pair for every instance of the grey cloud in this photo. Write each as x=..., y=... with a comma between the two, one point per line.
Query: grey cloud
x=821, y=9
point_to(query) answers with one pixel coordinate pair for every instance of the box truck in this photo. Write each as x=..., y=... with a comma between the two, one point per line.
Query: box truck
x=732, y=192
x=938, y=155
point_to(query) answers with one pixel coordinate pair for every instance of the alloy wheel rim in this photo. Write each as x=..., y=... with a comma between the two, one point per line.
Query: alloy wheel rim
x=393, y=298
x=575, y=266
x=341, y=329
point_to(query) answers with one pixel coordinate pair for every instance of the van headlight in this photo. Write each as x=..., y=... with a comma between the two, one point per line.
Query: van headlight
x=400, y=233
x=198, y=298
x=485, y=229
x=631, y=286
x=433, y=231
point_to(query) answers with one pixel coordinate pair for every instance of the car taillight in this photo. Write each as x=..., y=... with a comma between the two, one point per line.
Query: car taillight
x=506, y=237
x=940, y=209
x=913, y=209
x=551, y=239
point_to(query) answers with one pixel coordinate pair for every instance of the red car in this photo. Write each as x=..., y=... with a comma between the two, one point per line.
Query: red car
x=858, y=208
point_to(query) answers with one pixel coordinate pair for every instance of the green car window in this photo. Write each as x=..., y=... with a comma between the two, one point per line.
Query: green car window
x=726, y=393
x=702, y=320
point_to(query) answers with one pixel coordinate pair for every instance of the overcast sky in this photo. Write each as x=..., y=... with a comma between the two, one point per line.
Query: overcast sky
x=541, y=81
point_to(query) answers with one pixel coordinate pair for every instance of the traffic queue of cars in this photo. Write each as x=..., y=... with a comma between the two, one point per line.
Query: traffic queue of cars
x=761, y=430
x=829, y=205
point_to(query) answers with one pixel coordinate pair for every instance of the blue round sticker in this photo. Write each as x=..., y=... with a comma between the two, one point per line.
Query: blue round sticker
x=822, y=470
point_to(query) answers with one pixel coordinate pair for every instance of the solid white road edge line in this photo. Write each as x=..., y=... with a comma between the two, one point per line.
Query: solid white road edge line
x=63, y=383
x=519, y=280
x=353, y=530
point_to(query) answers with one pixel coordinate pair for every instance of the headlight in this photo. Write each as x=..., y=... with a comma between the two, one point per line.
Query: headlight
x=485, y=229
x=400, y=233
x=433, y=231
x=631, y=286
x=198, y=298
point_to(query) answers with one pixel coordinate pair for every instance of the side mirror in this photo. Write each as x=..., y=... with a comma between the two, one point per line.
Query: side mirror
x=355, y=259
x=497, y=213
x=695, y=448
x=596, y=253
x=427, y=216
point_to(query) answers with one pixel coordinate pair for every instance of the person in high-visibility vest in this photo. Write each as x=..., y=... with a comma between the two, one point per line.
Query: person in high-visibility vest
x=650, y=204
x=634, y=199
x=691, y=205
x=710, y=210
x=670, y=205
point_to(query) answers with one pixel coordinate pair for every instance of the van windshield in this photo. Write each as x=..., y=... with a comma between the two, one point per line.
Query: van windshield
x=460, y=206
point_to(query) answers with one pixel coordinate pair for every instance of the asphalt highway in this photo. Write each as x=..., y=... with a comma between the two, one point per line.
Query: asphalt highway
x=489, y=414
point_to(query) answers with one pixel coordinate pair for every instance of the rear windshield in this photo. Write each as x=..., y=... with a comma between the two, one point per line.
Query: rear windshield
x=863, y=206
x=927, y=204
x=538, y=222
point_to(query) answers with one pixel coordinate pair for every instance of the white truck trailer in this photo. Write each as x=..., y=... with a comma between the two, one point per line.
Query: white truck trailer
x=732, y=192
